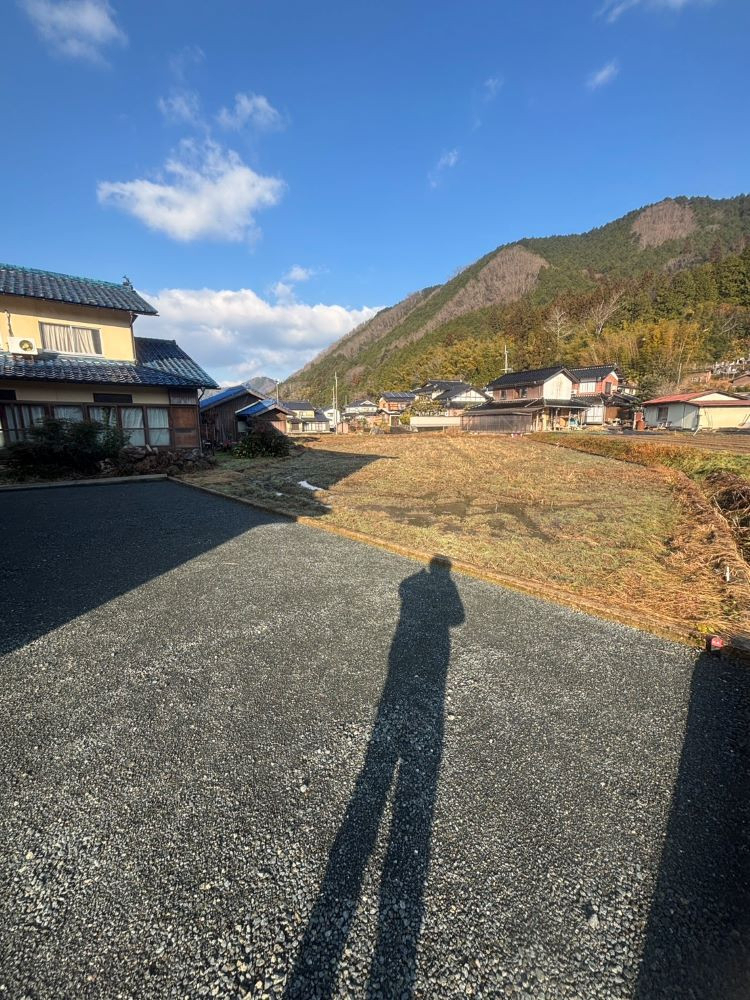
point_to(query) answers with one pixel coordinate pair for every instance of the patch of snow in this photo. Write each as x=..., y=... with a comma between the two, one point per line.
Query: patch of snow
x=308, y=486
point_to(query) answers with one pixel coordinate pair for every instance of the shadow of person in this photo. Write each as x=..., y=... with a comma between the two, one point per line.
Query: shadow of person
x=697, y=942
x=405, y=747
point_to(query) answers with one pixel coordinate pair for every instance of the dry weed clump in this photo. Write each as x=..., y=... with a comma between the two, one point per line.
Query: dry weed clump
x=731, y=497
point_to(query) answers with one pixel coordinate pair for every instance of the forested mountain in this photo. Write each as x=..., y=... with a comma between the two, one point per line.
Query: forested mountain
x=663, y=288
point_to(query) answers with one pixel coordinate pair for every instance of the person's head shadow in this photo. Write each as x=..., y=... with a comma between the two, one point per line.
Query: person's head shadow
x=404, y=753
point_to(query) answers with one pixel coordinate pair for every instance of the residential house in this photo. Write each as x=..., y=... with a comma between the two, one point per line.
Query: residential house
x=546, y=393
x=742, y=381
x=304, y=418
x=361, y=408
x=67, y=350
x=393, y=405
x=266, y=410
x=333, y=416
x=451, y=398
x=219, y=424
x=453, y=395
x=608, y=395
x=692, y=411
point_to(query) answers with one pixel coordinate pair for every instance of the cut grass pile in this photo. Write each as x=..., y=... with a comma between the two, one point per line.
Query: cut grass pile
x=618, y=539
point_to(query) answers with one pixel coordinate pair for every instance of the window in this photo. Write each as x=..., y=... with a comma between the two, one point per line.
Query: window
x=7, y=393
x=73, y=413
x=523, y=393
x=70, y=339
x=607, y=388
x=662, y=414
x=182, y=396
x=503, y=394
x=103, y=415
x=587, y=388
x=17, y=421
x=113, y=397
x=132, y=424
x=158, y=426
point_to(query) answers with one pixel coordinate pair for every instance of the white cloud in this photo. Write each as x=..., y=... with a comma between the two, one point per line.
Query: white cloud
x=613, y=9
x=253, y=109
x=297, y=273
x=603, y=76
x=491, y=87
x=78, y=29
x=210, y=194
x=283, y=291
x=180, y=62
x=181, y=106
x=235, y=334
x=447, y=160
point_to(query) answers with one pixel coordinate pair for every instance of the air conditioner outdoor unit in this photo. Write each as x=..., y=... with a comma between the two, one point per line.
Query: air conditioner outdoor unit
x=22, y=345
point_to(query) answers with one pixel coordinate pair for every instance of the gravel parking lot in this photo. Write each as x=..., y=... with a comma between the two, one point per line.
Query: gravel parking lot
x=242, y=757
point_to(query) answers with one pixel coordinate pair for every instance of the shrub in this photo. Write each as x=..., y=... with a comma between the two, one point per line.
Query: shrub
x=62, y=446
x=262, y=439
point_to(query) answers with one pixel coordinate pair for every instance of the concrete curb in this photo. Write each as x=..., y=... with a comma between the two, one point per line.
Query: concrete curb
x=114, y=481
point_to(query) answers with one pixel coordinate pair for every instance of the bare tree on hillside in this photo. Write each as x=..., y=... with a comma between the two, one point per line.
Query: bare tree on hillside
x=603, y=311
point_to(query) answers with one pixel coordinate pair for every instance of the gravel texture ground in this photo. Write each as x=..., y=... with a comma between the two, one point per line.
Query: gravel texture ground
x=241, y=757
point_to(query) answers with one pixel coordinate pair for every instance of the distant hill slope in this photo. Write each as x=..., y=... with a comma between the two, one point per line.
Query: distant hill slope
x=261, y=384
x=389, y=350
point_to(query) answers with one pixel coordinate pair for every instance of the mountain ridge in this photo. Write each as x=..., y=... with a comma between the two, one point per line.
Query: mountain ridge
x=659, y=239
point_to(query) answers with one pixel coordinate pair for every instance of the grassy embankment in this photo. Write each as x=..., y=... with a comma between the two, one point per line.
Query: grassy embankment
x=720, y=465
x=616, y=539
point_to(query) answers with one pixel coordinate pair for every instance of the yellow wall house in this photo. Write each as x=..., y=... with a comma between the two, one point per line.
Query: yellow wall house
x=67, y=350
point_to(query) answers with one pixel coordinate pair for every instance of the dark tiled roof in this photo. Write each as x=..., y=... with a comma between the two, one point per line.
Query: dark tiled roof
x=531, y=404
x=33, y=284
x=593, y=372
x=441, y=384
x=297, y=404
x=166, y=356
x=226, y=394
x=362, y=402
x=158, y=362
x=457, y=391
x=397, y=396
x=534, y=376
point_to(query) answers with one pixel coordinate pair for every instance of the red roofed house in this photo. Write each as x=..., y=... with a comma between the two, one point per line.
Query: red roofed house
x=692, y=411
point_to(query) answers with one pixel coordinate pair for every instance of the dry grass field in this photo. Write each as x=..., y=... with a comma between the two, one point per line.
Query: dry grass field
x=618, y=539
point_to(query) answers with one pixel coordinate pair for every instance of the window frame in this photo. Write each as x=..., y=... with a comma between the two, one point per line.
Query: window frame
x=47, y=407
x=95, y=332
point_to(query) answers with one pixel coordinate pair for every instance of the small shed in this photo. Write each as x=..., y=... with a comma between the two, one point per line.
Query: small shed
x=218, y=413
x=486, y=420
x=267, y=410
x=692, y=411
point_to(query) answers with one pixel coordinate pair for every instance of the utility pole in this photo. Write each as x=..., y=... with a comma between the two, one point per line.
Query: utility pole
x=336, y=402
x=277, y=392
x=505, y=349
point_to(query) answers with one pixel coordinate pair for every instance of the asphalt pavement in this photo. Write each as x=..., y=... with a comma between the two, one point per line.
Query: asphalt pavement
x=243, y=757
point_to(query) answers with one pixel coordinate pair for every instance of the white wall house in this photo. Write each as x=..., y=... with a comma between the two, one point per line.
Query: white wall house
x=692, y=411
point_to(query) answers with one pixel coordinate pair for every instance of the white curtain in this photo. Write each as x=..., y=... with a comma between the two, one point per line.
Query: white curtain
x=70, y=339
x=132, y=424
x=158, y=426
x=103, y=415
x=68, y=412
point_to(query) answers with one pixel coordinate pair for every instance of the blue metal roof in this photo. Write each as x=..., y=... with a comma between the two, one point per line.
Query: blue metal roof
x=226, y=394
x=33, y=284
x=158, y=362
x=262, y=406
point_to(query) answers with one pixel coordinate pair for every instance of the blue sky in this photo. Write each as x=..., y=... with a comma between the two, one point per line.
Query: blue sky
x=270, y=172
